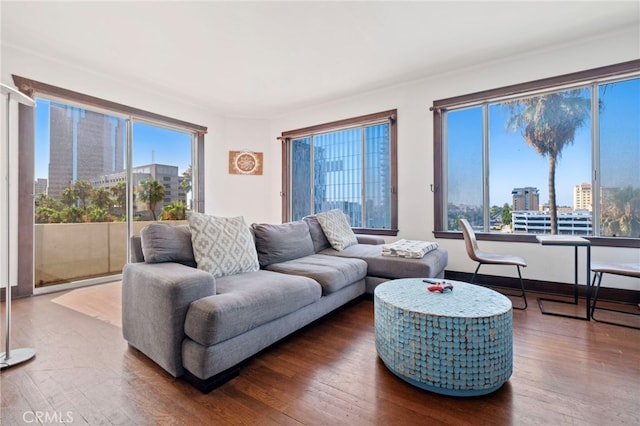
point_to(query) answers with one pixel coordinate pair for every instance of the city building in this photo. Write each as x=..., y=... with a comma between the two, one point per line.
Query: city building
x=536, y=222
x=545, y=208
x=582, y=197
x=83, y=145
x=525, y=198
x=40, y=186
x=166, y=174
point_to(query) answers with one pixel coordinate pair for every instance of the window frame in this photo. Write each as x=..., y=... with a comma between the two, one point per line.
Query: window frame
x=566, y=81
x=360, y=121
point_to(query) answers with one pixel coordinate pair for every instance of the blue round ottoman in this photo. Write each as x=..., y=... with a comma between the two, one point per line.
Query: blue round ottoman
x=456, y=343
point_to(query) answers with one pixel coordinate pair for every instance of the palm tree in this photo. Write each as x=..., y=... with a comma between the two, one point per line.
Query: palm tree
x=185, y=183
x=151, y=191
x=548, y=123
x=83, y=189
x=119, y=193
x=174, y=211
x=96, y=214
x=72, y=214
x=101, y=198
x=69, y=196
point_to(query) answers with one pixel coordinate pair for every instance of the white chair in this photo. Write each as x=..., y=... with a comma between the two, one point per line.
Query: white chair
x=484, y=258
x=622, y=269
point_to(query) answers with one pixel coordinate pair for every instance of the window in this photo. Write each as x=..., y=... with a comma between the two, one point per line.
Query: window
x=348, y=165
x=553, y=156
x=96, y=161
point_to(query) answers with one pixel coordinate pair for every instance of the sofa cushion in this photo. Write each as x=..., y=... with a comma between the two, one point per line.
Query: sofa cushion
x=222, y=245
x=245, y=301
x=337, y=229
x=279, y=243
x=332, y=274
x=320, y=241
x=431, y=265
x=165, y=243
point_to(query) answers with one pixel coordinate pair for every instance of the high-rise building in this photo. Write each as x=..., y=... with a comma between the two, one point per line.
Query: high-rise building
x=83, y=144
x=582, y=197
x=40, y=186
x=525, y=199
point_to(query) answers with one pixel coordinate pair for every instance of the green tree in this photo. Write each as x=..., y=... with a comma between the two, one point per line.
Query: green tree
x=83, y=189
x=151, y=191
x=506, y=214
x=548, y=123
x=43, y=200
x=97, y=214
x=47, y=215
x=69, y=197
x=119, y=193
x=185, y=183
x=621, y=213
x=72, y=214
x=101, y=198
x=174, y=211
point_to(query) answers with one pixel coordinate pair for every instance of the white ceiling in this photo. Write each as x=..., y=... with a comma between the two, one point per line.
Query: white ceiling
x=262, y=59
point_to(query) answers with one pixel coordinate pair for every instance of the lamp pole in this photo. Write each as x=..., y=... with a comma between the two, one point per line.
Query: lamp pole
x=9, y=357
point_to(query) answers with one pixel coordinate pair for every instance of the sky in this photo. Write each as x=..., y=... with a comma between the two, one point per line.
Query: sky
x=514, y=164
x=150, y=144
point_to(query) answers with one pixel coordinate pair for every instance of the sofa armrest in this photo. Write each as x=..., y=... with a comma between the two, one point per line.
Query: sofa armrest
x=369, y=239
x=155, y=300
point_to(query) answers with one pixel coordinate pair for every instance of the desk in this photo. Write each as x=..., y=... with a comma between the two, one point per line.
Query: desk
x=569, y=240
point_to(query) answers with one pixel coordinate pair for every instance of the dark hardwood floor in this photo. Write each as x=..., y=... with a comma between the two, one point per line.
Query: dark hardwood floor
x=566, y=371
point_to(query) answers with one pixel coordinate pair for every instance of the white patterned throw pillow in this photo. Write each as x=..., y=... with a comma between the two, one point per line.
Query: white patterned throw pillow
x=222, y=245
x=337, y=229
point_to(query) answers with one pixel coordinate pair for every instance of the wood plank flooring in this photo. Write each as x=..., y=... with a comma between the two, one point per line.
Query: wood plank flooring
x=566, y=372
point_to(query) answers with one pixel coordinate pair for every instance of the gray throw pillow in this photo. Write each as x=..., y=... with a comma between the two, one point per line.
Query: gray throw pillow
x=165, y=243
x=279, y=243
x=337, y=229
x=222, y=245
x=320, y=241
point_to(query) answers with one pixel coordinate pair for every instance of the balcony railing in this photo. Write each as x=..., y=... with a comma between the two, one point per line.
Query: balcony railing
x=67, y=252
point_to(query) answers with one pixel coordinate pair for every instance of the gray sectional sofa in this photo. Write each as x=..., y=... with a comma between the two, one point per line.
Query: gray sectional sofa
x=202, y=324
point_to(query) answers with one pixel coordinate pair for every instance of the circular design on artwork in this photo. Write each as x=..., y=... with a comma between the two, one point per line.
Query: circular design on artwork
x=246, y=163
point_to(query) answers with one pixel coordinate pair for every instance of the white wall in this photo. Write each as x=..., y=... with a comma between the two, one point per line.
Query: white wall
x=253, y=196
x=258, y=197
x=415, y=145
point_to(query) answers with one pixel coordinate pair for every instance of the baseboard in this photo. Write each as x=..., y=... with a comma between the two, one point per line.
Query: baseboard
x=546, y=287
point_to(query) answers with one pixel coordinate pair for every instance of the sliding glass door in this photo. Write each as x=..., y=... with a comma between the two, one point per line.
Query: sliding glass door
x=82, y=187
x=161, y=174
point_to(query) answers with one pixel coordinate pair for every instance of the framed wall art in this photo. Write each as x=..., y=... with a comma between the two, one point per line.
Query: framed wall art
x=245, y=163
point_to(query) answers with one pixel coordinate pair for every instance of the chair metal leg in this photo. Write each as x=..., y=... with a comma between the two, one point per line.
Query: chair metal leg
x=523, y=294
x=475, y=273
x=597, y=275
x=595, y=301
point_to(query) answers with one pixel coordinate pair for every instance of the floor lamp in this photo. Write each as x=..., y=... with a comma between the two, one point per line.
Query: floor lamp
x=15, y=356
